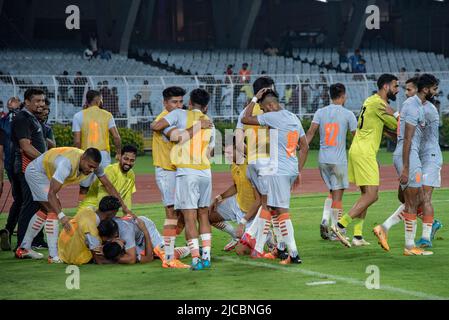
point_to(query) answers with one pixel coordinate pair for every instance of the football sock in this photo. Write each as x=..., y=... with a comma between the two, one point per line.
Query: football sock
x=169, y=235
x=410, y=229
x=181, y=252
x=52, y=232
x=344, y=221
x=337, y=212
x=194, y=250
x=252, y=230
x=285, y=223
x=226, y=227
x=427, y=226
x=263, y=228
x=206, y=241
x=394, y=219
x=277, y=232
x=327, y=210
x=358, y=229
x=36, y=224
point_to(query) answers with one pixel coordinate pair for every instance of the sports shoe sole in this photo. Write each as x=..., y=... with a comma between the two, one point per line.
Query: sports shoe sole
x=341, y=237
x=324, y=232
x=380, y=242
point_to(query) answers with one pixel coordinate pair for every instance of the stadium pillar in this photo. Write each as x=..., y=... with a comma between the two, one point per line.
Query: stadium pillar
x=249, y=23
x=128, y=26
x=148, y=12
x=356, y=27
x=334, y=22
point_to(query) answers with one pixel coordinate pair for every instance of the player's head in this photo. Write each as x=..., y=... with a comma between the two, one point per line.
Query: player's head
x=263, y=82
x=242, y=250
x=34, y=100
x=173, y=97
x=199, y=99
x=388, y=83
x=337, y=93
x=108, y=207
x=114, y=249
x=411, y=87
x=269, y=101
x=108, y=229
x=45, y=111
x=127, y=158
x=90, y=161
x=428, y=86
x=13, y=104
x=94, y=98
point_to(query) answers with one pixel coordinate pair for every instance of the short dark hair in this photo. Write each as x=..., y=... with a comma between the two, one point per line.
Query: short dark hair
x=413, y=80
x=384, y=79
x=200, y=97
x=171, y=92
x=107, y=228
x=427, y=81
x=337, y=90
x=109, y=203
x=47, y=102
x=262, y=82
x=112, y=250
x=93, y=154
x=129, y=148
x=29, y=93
x=268, y=94
x=91, y=95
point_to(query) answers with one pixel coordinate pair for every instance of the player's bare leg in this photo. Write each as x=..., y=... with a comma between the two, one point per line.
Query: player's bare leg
x=217, y=221
x=190, y=219
x=35, y=225
x=427, y=219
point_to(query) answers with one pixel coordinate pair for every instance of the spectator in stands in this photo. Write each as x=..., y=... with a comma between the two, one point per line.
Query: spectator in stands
x=79, y=88
x=105, y=54
x=343, y=53
x=360, y=68
x=269, y=49
x=355, y=59
x=105, y=91
x=88, y=54
x=136, y=104
x=226, y=102
x=64, y=84
x=145, y=93
x=48, y=131
x=245, y=73
x=306, y=94
x=288, y=93
x=113, y=103
x=13, y=106
x=417, y=73
x=229, y=71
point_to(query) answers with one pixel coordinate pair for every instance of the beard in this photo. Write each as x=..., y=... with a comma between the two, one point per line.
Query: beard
x=125, y=168
x=430, y=97
x=391, y=96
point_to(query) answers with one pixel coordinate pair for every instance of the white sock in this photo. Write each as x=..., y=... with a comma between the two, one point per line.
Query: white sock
x=289, y=235
x=181, y=252
x=427, y=223
x=262, y=233
x=225, y=227
x=410, y=232
x=34, y=227
x=394, y=219
x=327, y=210
x=194, y=250
x=252, y=230
x=169, y=247
x=277, y=233
x=206, y=243
x=336, y=215
x=52, y=232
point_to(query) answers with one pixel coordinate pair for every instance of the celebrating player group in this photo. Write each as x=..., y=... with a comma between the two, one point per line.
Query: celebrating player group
x=267, y=153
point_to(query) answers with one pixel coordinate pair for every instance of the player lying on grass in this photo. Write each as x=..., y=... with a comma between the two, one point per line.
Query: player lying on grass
x=418, y=161
x=127, y=241
x=239, y=203
x=46, y=176
x=363, y=169
x=286, y=133
x=334, y=122
x=80, y=245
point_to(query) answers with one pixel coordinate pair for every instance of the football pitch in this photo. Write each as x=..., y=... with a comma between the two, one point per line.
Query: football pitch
x=329, y=270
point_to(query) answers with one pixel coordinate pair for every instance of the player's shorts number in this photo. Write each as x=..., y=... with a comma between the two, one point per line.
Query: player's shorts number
x=332, y=130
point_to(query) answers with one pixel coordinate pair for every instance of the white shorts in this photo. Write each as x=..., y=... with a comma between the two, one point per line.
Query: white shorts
x=193, y=192
x=38, y=183
x=431, y=176
x=415, y=171
x=258, y=181
x=229, y=210
x=279, y=191
x=335, y=176
x=105, y=161
x=166, y=182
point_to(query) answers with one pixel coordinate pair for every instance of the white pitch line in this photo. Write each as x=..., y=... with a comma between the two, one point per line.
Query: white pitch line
x=320, y=283
x=353, y=281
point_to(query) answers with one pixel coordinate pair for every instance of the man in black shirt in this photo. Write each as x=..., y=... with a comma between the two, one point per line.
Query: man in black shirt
x=29, y=143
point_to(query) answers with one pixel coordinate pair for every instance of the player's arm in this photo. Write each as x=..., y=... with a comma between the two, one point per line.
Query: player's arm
x=148, y=257
x=180, y=136
x=55, y=205
x=77, y=139
x=311, y=132
x=113, y=192
x=117, y=141
x=408, y=135
x=159, y=125
x=303, y=152
x=385, y=113
x=51, y=142
x=129, y=257
x=76, y=129
x=252, y=212
x=27, y=148
x=248, y=117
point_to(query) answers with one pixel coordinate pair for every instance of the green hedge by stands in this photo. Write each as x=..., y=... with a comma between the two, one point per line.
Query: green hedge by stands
x=64, y=137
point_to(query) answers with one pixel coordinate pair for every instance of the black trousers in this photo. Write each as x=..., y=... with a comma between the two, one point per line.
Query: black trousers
x=28, y=209
x=16, y=193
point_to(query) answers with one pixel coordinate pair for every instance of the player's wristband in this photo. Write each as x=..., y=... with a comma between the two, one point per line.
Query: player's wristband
x=243, y=221
x=396, y=114
x=61, y=215
x=254, y=100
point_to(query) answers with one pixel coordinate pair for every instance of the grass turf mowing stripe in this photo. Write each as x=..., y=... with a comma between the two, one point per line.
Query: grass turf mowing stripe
x=353, y=281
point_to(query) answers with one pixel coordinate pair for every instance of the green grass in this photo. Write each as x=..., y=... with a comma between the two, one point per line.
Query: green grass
x=144, y=164
x=233, y=277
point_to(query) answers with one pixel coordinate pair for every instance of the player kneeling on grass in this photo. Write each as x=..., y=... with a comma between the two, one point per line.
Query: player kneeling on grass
x=127, y=241
x=80, y=244
x=239, y=203
x=46, y=176
x=285, y=133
